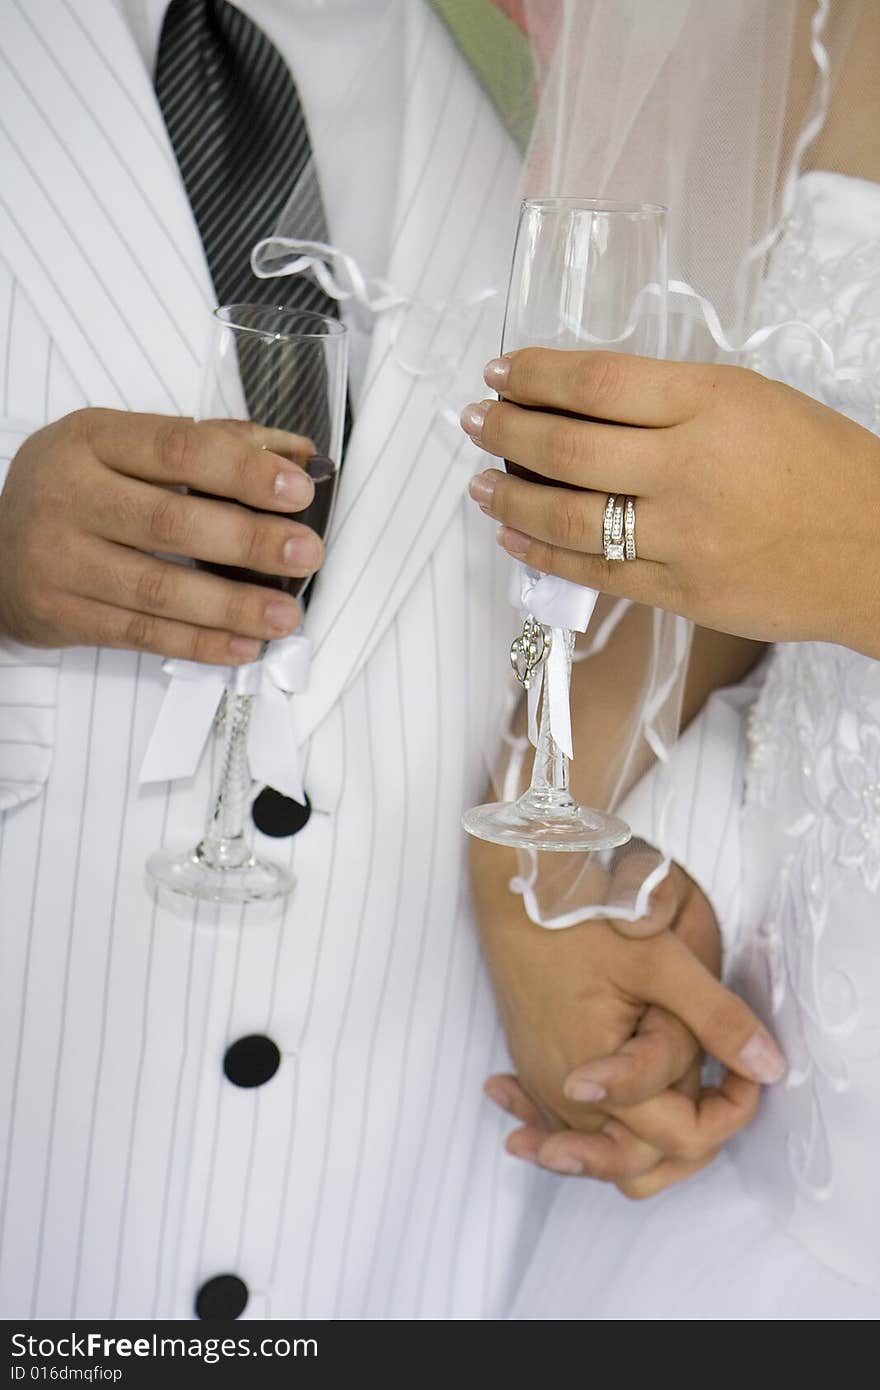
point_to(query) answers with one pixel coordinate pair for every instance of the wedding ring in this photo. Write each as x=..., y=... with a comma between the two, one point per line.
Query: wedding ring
x=629, y=529
x=613, y=543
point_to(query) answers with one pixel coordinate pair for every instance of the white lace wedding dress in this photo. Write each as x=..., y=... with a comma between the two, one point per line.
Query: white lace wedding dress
x=786, y=1224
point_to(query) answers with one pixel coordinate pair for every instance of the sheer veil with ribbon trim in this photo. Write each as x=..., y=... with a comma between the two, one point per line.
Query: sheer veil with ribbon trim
x=712, y=108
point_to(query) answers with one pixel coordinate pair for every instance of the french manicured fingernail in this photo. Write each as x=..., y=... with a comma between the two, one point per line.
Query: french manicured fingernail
x=482, y=490
x=562, y=1163
x=519, y=1147
x=473, y=417
x=762, y=1059
x=581, y=1088
x=281, y=617
x=244, y=647
x=514, y=542
x=300, y=552
x=497, y=373
x=294, y=486
x=500, y=1095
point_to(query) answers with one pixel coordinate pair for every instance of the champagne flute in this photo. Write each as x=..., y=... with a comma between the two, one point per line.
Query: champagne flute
x=586, y=274
x=286, y=369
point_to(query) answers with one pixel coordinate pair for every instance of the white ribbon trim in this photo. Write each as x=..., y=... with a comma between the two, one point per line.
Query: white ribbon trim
x=606, y=630
x=190, y=704
x=563, y=607
x=663, y=691
x=340, y=276
x=710, y=317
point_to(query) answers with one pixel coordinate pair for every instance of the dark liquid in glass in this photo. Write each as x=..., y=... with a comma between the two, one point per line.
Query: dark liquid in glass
x=323, y=473
x=531, y=477
x=526, y=473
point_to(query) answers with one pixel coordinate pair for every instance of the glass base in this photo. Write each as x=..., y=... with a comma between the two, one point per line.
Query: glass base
x=546, y=822
x=253, y=881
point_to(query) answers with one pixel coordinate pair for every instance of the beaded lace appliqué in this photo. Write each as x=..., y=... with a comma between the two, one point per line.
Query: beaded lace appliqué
x=839, y=296
x=814, y=733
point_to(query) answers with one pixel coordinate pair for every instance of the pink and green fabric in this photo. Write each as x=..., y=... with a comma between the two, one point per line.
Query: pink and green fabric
x=492, y=36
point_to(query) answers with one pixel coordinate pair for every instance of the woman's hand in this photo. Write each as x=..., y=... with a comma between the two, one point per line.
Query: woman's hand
x=756, y=506
x=658, y=1127
x=606, y=1035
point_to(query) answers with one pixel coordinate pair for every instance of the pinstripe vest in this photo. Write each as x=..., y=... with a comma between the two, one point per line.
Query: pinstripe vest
x=367, y=1178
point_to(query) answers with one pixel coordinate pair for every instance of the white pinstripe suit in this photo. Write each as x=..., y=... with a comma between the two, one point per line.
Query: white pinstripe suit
x=366, y=1178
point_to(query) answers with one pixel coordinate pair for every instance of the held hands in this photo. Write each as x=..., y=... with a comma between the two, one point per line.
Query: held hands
x=755, y=505
x=89, y=498
x=643, y=1010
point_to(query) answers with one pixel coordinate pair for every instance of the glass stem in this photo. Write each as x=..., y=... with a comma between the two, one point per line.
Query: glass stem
x=224, y=845
x=548, y=790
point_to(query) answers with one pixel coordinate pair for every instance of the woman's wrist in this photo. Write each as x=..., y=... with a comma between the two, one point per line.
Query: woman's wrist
x=850, y=607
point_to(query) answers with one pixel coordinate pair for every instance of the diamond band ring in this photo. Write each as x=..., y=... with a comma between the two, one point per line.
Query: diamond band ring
x=619, y=528
x=612, y=529
x=629, y=528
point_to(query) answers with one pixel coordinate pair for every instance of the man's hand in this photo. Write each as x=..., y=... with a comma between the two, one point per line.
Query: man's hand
x=90, y=498
x=641, y=1009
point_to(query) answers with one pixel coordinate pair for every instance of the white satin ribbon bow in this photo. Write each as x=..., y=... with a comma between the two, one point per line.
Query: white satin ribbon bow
x=560, y=605
x=191, y=701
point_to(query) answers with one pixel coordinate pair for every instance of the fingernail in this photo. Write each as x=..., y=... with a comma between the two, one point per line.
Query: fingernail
x=280, y=616
x=518, y=1147
x=562, y=1163
x=482, y=489
x=300, y=552
x=293, y=485
x=246, y=648
x=762, y=1059
x=473, y=418
x=499, y=1094
x=497, y=373
x=584, y=1090
x=514, y=542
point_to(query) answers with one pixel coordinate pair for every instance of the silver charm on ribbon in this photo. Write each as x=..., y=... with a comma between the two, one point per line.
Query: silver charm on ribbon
x=561, y=607
x=529, y=651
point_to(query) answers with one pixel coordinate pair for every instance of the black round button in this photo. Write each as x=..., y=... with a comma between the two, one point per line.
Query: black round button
x=225, y=1296
x=279, y=815
x=251, y=1061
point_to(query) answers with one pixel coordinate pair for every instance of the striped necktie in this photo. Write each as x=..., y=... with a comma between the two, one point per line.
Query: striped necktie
x=238, y=130
x=237, y=127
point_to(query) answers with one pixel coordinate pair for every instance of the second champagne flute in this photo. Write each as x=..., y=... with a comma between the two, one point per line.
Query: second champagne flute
x=586, y=274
